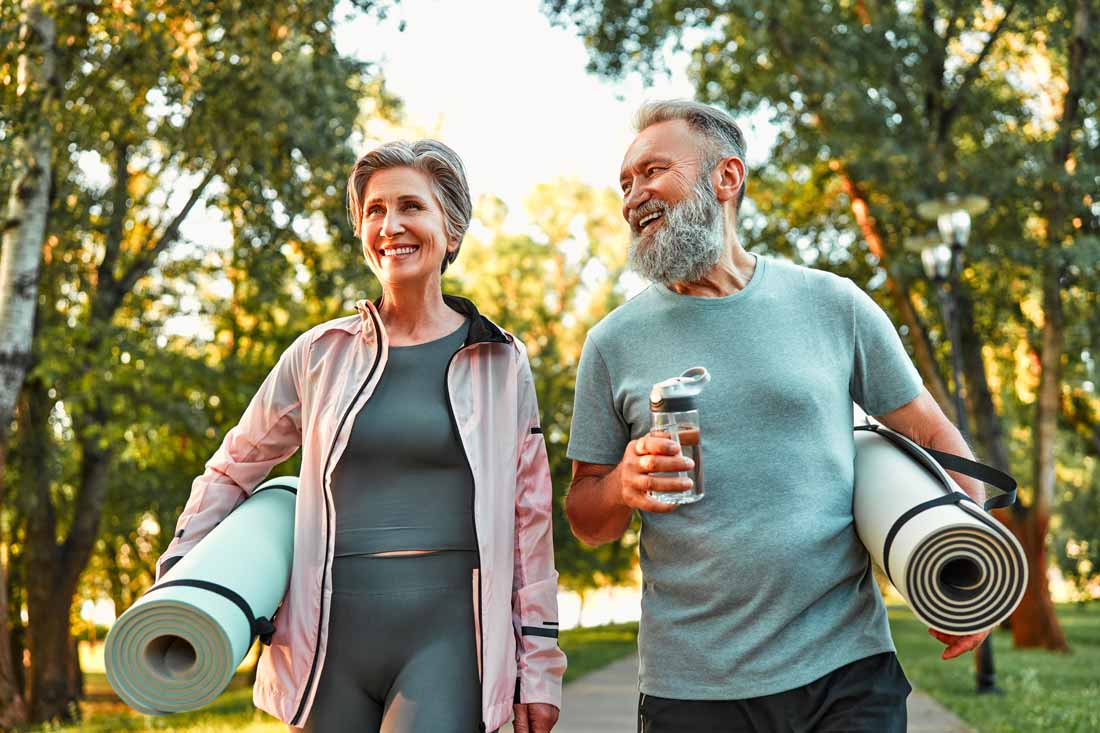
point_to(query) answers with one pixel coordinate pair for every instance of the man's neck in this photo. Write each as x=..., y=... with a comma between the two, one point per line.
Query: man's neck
x=732, y=273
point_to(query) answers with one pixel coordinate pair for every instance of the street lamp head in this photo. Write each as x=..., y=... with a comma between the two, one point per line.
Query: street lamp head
x=937, y=262
x=954, y=227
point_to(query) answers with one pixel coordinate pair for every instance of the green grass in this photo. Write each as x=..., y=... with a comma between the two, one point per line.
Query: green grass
x=1042, y=691
x=232, y=712
x=593, y=648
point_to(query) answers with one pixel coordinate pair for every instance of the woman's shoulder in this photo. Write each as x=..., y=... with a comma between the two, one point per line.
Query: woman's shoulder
x=343, y=326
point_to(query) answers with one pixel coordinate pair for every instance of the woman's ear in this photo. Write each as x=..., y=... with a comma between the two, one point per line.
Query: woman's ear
x=730, y=177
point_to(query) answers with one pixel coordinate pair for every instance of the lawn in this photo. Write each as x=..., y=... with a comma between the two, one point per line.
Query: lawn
x=588, y=650
x=1042, y=691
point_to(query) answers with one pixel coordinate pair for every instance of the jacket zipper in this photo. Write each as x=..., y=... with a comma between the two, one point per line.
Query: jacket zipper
x=328, y=501
x=477, y=541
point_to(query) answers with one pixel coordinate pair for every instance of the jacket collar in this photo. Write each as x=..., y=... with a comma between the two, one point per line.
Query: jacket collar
x=482, y=330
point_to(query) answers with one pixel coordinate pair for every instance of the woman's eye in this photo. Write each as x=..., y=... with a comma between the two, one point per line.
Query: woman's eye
x=413, y=205
x=372, y=210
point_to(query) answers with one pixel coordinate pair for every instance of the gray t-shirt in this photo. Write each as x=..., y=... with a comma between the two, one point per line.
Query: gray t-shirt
x=763, y=585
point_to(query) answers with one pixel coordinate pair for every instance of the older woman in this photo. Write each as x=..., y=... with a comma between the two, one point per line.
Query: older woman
x=423, y=592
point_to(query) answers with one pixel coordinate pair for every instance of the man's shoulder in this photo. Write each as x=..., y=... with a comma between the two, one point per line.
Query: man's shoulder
x=812, y=277
x=628, y=317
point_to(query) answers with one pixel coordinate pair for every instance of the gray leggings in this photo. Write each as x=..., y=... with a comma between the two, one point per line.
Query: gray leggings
x=401, y=653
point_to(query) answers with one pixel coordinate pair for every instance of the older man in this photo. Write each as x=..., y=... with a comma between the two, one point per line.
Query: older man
x=759, y=609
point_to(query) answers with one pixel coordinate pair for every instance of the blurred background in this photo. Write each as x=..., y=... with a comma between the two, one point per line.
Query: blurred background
x=173, y=215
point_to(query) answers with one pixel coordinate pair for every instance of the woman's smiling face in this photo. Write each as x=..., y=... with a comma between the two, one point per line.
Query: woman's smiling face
x=403, y=232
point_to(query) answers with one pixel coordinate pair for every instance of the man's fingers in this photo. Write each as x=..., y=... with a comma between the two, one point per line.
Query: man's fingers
x=957, y=645
x=650, y=463
x=652, y=445
x=643, y=483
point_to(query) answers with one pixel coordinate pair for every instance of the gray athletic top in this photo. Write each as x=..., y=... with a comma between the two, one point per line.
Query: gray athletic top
x=403, y=482
x=763, y=585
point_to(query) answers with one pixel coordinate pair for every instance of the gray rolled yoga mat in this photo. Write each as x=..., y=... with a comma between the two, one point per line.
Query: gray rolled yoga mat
x=959, y=569
x=177, y=647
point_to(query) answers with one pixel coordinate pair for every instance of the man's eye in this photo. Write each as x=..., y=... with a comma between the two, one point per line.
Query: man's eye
x=654, y=169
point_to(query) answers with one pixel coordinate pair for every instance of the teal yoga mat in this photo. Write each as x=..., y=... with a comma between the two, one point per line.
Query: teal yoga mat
x=178, y=646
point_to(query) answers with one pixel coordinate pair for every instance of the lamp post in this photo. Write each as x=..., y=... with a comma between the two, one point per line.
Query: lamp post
x=942, y=264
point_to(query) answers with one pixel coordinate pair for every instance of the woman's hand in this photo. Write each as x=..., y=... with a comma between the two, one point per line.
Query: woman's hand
x=534, y=717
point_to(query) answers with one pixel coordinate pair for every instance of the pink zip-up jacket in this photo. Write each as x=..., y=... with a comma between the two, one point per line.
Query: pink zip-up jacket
x=310, y=400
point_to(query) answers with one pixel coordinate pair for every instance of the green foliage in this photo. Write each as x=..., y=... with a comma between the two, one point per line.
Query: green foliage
x=549, y=286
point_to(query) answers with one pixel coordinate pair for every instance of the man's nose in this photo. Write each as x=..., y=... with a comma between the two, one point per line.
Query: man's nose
x=634, y=197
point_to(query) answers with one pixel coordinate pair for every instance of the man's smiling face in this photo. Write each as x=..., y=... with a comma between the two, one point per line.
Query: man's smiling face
x=659, y=170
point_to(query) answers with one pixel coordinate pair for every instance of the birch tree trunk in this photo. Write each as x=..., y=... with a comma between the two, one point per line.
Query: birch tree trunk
x=24, y=232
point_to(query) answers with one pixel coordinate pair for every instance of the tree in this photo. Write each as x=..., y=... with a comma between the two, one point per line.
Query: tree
x=880, y=106
x=24, y=227
x=246, y=112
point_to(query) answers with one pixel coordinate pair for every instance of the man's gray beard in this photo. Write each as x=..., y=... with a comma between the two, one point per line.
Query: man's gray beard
x=687, y=244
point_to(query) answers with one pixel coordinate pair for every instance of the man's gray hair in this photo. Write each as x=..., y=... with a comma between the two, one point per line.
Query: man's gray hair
x=446, y=176
x=721, y=137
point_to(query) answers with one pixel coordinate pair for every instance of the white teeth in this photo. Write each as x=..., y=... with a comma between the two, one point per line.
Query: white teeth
x=398, y=251
x=642, y=222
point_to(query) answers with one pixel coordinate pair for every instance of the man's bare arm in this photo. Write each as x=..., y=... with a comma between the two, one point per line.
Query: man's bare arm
x=601, y=497
x=923, y=421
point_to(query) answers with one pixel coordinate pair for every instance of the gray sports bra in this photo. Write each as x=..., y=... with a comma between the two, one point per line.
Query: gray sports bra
x=403, y=482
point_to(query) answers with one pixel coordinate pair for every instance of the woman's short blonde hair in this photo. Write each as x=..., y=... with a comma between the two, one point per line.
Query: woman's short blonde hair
x=445, y=173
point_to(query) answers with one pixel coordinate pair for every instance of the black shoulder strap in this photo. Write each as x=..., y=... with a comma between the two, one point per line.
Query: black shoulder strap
x=986, y=474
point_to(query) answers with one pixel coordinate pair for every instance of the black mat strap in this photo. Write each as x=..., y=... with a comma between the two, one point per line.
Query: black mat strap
x=261, y=627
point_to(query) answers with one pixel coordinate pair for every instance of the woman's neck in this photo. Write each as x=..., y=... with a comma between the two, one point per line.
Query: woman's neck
x=415, y=316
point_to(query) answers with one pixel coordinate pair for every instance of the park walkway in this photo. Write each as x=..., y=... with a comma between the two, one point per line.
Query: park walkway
x=606, y=702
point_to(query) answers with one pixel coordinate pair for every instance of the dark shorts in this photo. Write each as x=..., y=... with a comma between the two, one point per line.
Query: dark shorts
x=866, y=695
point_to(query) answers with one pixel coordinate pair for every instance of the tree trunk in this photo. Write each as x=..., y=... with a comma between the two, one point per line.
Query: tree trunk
x=12, y=710
x=24, y=230
x=51, y=690
x=1034, y=623
x=20, y=252
x=899, y=294
x=988, y=431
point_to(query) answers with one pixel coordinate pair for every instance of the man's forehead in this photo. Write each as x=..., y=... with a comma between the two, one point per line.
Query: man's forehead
x=671, y=139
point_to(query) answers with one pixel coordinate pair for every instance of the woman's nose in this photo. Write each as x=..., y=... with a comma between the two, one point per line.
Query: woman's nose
x=391, y=225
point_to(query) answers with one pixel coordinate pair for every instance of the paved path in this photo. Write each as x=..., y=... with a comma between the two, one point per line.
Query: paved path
x=606, y=702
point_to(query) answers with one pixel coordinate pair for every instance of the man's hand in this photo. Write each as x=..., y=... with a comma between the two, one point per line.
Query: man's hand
x=957, y=645
x=534, y=717
x=647, y=455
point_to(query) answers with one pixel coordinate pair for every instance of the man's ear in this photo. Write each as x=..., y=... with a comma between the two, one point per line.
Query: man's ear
x=728, y=178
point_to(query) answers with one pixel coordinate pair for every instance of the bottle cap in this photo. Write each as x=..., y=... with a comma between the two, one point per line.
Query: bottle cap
x=678, y=394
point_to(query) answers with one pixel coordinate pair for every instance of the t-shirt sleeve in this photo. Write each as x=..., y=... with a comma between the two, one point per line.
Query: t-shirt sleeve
x=883, y=375
x=598, y=434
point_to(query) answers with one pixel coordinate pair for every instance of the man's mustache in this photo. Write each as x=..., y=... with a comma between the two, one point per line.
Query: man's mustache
x=649, y=207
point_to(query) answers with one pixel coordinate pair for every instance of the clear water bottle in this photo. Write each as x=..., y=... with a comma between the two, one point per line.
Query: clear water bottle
x=676, y=417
